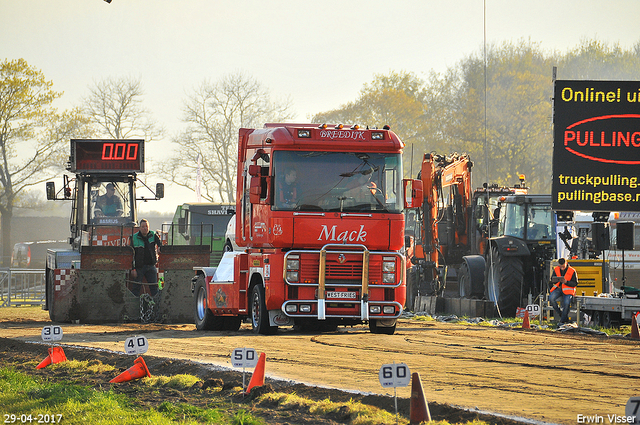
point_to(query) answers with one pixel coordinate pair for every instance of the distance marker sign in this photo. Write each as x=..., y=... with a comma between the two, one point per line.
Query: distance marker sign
x=394, y=375
x=51, y=333
x=596, y=146
x=244, y=357
x=136, y=345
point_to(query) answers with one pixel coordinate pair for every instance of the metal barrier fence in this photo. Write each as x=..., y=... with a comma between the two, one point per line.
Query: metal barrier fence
x=21, y=287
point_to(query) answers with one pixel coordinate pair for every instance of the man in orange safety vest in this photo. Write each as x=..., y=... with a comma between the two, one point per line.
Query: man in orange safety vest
x=564, y=281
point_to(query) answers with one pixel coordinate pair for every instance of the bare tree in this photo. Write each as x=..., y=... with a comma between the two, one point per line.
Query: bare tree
x=32, y=136
x=213, y=114
x=114, y=107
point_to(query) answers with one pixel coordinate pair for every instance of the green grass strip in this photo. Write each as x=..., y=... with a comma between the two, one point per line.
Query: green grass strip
x=21, y=394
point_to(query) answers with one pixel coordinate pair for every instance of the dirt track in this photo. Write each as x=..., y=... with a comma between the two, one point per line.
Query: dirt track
x=542, y=375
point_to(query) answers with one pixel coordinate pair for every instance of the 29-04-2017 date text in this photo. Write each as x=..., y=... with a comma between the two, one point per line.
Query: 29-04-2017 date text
x=40, y=418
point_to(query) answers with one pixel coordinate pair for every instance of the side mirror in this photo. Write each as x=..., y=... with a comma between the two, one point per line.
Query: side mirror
x=413, y=193
x=255, y=170
x=51, y=191
x=255, y=189
x=159, y=190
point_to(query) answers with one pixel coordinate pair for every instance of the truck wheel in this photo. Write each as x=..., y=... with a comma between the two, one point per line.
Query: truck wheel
x=504, y=278
x=385, y=330
x=205, y=320
x=471, y=277
x=596, y=318
x=259, y=313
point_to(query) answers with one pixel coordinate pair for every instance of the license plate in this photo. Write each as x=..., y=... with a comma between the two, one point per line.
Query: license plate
x=351, y=295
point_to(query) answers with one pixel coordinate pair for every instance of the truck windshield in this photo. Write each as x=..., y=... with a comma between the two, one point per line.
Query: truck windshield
x=528, y=221
x=337, y=181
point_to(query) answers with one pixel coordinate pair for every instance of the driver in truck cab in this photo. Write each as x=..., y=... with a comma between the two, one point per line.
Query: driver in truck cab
x=288, y=189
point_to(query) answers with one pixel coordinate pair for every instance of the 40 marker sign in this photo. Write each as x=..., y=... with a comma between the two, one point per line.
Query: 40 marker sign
x=136, y=345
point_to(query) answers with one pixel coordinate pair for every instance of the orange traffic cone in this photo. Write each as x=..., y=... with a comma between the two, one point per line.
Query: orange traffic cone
x=257, y=379
x=138, y=370
x=525, y=321
x=418, y=407
x=635, y=332
x=56, y=355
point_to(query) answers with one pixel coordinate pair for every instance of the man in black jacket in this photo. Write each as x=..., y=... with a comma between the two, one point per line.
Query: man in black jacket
x=145, y=244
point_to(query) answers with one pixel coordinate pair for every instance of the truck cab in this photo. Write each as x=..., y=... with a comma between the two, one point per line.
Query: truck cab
x=320, y=229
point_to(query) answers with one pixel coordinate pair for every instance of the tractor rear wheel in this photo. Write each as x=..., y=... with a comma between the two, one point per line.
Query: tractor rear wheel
x=504, y=279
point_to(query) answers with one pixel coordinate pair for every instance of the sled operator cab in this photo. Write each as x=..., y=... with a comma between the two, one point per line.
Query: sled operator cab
x=105, y=185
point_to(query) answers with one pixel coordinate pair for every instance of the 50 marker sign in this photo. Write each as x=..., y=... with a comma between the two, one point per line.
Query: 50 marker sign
x=394, y=375
x=244, y=357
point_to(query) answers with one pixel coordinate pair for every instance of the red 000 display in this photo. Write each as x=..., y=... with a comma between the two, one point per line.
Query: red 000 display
x=107, y=155
x=120, y=151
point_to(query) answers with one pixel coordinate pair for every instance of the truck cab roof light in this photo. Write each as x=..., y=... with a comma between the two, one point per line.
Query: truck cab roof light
x=377, y=135
x=323, y=126
x=339, y=127
x=304, y=134
x=354, y=127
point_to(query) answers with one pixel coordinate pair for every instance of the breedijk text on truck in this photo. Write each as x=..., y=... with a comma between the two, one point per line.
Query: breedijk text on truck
x=320, y=226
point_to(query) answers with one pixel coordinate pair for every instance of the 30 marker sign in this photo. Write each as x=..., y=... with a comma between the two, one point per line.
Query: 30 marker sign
x=51, y=333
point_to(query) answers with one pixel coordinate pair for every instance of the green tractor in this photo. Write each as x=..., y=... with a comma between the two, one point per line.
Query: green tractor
x=514, y=262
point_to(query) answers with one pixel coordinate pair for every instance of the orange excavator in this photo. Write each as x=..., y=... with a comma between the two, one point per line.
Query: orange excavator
x=440, y=227
x=452, y=227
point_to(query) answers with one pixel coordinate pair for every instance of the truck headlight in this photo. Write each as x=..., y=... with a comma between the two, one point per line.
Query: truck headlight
x=388, y=309
x=389, y=266
x=291, y=308
x=305, y=308
x=388, y=277
x=293, y=263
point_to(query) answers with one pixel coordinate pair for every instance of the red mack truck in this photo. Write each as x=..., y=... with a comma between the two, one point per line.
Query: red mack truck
x=320, y=226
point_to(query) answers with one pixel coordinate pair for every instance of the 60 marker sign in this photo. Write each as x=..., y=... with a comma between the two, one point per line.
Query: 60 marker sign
x=394, y=375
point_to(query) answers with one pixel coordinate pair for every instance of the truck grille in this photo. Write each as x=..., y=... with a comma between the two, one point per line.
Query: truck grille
x=348, y=272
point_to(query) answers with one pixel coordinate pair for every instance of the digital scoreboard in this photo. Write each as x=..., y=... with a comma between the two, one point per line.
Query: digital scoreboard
x=106, y=156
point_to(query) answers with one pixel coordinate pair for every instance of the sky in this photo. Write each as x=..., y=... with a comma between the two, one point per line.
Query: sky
x=318, y=54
